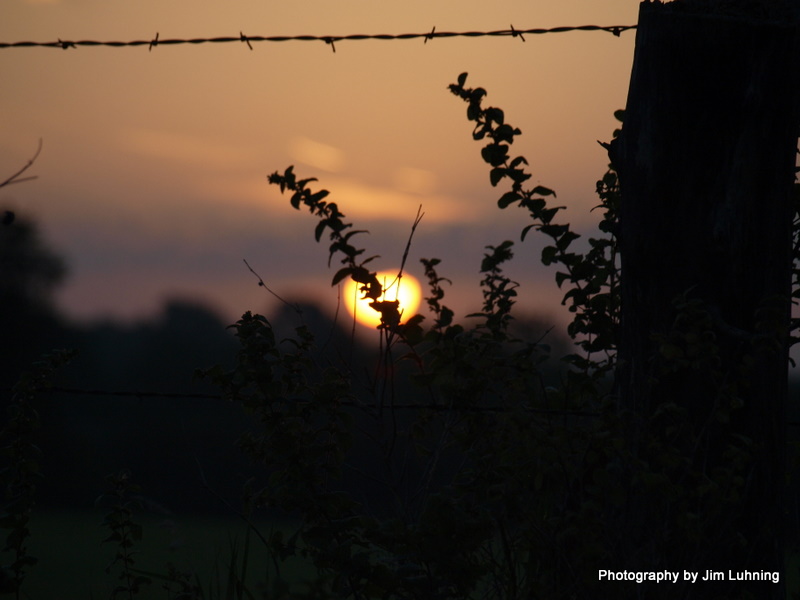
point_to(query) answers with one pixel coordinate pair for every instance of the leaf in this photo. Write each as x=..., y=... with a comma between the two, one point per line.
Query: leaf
x=547, y=214
x=505, y=133
x=566, y=239
x=362, y=275
x=543, y=191
x=350, y=234
x=495, y=114
x=304, y=182
x=289, y=177
x=315, y=198
x=518, y=176
x=495, y=175
x=462, y=79
x=549, y=254
x=341, y=274
x=525, y=231
x=495, y=154
x=507, y=199
x=320, y=228
x=554, y=231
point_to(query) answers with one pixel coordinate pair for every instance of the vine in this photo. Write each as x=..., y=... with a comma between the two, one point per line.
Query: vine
x=489, y=496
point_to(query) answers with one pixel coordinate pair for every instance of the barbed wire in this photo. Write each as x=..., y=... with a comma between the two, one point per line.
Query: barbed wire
x=616, y=30
x=142, y=395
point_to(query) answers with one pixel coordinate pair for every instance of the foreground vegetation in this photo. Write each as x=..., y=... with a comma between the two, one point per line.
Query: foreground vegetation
x=457, y=467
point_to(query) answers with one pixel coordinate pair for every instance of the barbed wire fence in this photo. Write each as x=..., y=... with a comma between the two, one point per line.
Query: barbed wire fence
x=145, y=395
x=331, y=40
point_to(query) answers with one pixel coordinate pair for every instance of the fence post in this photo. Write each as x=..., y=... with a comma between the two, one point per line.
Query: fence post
x=706, y=162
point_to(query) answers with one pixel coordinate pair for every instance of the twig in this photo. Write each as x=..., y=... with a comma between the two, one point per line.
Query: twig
x=295, y=307
x=15, y=177
x=417, y=220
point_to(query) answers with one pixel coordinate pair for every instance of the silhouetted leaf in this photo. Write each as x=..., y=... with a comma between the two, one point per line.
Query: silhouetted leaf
x=496, y=115
x=297, y=197
x=362, y=275
x=341, y=274
x=525, y=231
x=507, y=199
x=549, y=254
x=320, y=228
x=318, y=196
x=543, y=191
x=496, y=174
x=566, y=239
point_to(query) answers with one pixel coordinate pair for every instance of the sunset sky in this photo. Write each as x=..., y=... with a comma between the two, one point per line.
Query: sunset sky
x=152, y=178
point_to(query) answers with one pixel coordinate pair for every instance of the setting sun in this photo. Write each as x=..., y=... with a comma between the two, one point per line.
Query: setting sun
x=407, y=291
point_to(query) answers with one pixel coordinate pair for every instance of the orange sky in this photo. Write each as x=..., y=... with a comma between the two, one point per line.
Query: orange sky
x=152, y=176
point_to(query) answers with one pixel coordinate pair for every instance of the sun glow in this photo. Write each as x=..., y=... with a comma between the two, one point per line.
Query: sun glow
x=406, y=291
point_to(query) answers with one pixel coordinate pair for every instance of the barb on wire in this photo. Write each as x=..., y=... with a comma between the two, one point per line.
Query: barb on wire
x=616, y=30
x=430, y=35
x=244, y=38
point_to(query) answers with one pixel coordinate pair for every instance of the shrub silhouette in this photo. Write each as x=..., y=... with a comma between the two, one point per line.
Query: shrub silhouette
x=495, y=483
x=457, y=465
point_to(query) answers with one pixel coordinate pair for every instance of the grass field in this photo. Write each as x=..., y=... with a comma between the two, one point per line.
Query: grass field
x=72, y=560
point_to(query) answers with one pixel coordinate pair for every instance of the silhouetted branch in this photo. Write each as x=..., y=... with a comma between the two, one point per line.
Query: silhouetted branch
x=261, y=283
x=15, y=178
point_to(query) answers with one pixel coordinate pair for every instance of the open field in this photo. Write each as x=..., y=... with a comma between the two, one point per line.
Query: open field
x=72, y=559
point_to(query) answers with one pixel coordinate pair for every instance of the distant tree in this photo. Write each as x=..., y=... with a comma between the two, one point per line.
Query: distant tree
x=29, y=274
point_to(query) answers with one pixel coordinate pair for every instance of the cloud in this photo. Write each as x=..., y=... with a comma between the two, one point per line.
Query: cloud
x=359, y=201
x=316, y=154
x=184, y=148
x=363, y=202
x=414, y=181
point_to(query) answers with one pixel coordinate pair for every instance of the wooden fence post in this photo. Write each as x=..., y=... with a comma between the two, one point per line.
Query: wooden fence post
x=706, y=161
